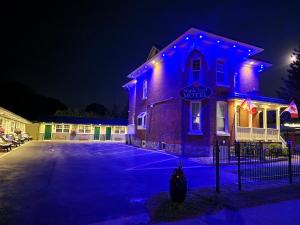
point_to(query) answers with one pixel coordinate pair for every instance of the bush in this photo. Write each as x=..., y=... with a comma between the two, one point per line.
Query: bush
x=178, y=185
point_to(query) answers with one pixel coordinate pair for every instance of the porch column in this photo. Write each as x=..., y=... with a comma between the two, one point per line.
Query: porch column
x=265, y=121
x=235, y=122
x=250, y=123
x=278, y=123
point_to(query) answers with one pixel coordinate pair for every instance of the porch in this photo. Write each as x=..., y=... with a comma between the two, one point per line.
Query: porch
x=261, y=125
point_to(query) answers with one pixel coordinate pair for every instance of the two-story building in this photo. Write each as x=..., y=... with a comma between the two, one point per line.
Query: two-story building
x=201, y=88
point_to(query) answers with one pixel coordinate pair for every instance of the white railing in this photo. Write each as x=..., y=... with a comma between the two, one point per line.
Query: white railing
x=272, y=134
x=243, y=133
x=256, y=134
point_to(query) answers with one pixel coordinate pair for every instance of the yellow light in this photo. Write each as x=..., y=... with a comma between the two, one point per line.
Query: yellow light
x=293, y=58
x=251, y=62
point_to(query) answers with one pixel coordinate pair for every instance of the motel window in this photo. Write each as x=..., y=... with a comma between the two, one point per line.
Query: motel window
x=119, y=130
x=141, y=120
x=62, y=128
x=220, y=72
x=221, y=116
x=84, y=129
x=12, y=126
x=145, y=89
x=195, y=117
x=196, y=70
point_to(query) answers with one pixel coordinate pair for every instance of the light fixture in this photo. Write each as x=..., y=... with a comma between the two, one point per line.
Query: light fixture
x=249, y=50
x=174, y=46
x=200, y=36
x=218, y=41
x=234, y=46
x=187, y=38
x=251, y=62
x=163, y=54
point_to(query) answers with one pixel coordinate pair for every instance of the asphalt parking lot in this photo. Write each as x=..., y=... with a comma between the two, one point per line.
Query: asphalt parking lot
x=57, y=183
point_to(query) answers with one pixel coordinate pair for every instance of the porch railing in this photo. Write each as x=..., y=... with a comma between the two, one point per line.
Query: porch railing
x=256, y=134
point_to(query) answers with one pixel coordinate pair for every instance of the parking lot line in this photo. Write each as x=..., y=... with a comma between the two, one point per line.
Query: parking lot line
x=151, y=163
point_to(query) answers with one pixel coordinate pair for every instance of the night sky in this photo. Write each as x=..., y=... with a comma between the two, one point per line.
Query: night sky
x=81, y=53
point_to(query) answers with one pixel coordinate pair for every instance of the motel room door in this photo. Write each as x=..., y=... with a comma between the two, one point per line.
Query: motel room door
x=108, y=133
x=48, y=132
x=97, y=133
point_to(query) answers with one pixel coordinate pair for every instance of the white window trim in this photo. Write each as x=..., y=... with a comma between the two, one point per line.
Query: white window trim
x=191, y=131
x=225, y=84
x=192, y=70
x=222, y=133
x=63, y=128
x=143, y=116
x=145, y=89
x=84, y=129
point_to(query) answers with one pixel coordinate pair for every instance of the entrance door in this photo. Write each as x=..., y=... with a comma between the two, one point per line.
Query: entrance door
x=108, y=133
x=48, y=132
x=97, y=133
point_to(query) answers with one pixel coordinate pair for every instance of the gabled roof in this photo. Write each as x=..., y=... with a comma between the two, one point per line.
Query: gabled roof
x=83, y=120
x=194, y=34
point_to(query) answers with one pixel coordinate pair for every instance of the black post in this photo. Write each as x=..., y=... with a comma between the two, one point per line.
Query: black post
x=217, y=154
x=290, y=163
x=238, y=150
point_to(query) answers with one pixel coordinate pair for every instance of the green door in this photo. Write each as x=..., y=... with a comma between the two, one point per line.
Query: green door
x=48, y=132
x=97, y=133
x=108, y=133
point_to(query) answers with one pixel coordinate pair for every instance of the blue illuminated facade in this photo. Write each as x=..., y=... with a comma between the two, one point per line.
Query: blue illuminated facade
x=188, y=95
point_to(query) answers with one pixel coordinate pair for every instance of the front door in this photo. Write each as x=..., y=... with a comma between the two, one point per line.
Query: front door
x=97, y=133
x=48, y=132
x=108, y=133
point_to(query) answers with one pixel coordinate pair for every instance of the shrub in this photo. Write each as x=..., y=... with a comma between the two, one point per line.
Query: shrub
x=178, y=185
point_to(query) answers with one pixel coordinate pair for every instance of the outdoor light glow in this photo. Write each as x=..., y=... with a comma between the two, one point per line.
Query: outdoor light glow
x=261, y=66
x=218, y=41
x=293, y=58
x=200, y=36
x=187, y=38
x=251, y=62
x=234, y=46
x=163, y=54
x=174, y=46
x=249, y=50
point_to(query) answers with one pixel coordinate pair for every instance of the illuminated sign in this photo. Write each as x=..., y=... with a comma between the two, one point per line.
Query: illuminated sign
x=195, y=92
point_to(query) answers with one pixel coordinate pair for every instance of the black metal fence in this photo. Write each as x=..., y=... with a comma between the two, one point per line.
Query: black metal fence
x=258, y=161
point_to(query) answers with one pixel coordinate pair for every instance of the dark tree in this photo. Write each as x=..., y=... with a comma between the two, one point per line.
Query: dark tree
x=98, y=109
x=291, y=88
x=115, y=111
x=124, y=112
x=25, y=102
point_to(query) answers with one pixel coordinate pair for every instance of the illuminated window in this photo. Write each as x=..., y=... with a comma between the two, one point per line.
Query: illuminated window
x=62, y=128
x=12, y=126
x=196, y=67
x=195, y=117
x=119, y=130
x=145, y=91
x=222, y=117
x=84, y=129
x=141, y=120
x=220, y=72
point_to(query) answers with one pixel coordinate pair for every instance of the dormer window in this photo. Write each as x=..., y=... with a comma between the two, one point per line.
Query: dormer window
x=145, y=89
x=196, y=67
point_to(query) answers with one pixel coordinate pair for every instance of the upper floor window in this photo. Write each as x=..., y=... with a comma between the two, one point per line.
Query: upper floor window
x=141, y=120
x=145, y=89
x=196, y=67
x=220, y=72
x=195, y=117
x=222, y=117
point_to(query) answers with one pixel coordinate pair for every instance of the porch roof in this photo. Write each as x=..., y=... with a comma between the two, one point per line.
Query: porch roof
x=260, y=98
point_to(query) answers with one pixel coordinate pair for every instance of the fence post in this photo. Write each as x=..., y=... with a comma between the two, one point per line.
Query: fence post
x=238, y=150
x=290, y=163
x=217, y=154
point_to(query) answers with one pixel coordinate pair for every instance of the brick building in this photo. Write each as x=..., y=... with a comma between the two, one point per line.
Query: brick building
x=189, y=94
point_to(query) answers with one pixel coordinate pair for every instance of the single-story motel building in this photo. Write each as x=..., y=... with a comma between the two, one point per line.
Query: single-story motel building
x=192, y=93
x=65, y=127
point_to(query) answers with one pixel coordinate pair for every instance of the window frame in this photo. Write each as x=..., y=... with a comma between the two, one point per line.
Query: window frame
x=143, y=117
x=223, y=72
x=196, y=70
x=191, y=130
x=65, y=128
x=119, y=130
x=145, y=89
x=224, y=117
x=82, y=129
